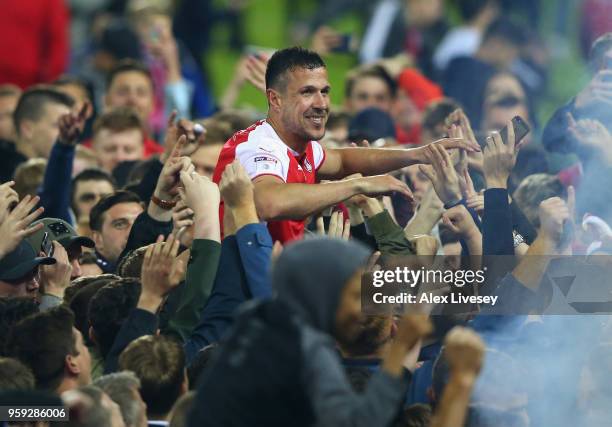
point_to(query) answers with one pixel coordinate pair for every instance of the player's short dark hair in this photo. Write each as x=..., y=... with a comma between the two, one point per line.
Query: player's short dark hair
x=125, y=66
x=289, y=59
x=376, y=72
x=96, y=216
x=32, y=103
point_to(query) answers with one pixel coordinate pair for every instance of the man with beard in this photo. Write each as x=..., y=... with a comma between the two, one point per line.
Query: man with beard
x=283, y=158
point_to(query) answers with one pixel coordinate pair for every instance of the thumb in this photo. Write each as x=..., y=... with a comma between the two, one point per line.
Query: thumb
x=186, y=178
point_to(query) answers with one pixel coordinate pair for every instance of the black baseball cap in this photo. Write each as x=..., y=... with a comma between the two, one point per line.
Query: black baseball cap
x=21, y=261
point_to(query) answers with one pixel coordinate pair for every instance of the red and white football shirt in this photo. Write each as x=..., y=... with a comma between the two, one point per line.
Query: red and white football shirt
x=260, y=150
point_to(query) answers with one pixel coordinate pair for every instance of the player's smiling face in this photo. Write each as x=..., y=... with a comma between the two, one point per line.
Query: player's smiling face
x=305, y=106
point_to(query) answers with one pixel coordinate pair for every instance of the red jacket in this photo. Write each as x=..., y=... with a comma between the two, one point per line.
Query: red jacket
x=34, y=44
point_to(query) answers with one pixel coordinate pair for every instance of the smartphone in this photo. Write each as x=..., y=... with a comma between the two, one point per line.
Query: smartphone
x=346, y=44
x=46, y=245
x=521, y=129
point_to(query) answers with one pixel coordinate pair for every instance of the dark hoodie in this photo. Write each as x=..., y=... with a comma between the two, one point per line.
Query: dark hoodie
x=309, y=278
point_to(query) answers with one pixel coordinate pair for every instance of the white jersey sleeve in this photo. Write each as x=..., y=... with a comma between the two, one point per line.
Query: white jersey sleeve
x=318, y=154
x=263, y=156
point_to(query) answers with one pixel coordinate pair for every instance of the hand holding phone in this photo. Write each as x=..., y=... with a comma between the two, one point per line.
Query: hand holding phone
x=521, y=129
x=500, y=153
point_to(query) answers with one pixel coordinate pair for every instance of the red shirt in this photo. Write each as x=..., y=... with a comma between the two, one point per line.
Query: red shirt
x=34, y=45
x=260, y=150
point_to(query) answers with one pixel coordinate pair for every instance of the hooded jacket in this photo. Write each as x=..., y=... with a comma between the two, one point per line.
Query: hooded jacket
x=308, y=278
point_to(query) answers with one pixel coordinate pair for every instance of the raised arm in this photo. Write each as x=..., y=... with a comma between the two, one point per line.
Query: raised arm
x=276, y=200
x=55, y=190
x=342, y=162
x=464, y=350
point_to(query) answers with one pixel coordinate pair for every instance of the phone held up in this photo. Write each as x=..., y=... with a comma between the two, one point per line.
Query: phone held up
x=521, y=129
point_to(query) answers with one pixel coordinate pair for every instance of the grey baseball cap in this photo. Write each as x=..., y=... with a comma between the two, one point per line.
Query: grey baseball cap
x=59, y=230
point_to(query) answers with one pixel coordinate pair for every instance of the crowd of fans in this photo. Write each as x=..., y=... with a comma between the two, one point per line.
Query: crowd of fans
x=169, y=259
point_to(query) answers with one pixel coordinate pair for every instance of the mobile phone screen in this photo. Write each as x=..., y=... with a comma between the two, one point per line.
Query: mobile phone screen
x=521, y=129
x=46, y=245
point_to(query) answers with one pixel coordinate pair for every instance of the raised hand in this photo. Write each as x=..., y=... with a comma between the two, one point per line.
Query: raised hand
x=71, y=125
x=168, y=181
x=412, y=328
x=8, y=198
x=237, y=191
x=459, y=220
x=16, y=225
x=182, y=223
x=554, y=213
x=473, y=200
x=599, y=89
x=162, y=44
x=55, y=278
x=202, y=196
x=499, y=158
x=458, y=117
x=442, y=174
x=256, y=71
x=464, y=350
x=459, y=143
x=161, y=272
x=325, y=39
x=425, y=245
x=194, y=133
x=592, y=134
x=236, y=186
x=381, y=185
x=339, y=228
